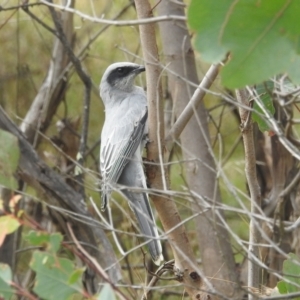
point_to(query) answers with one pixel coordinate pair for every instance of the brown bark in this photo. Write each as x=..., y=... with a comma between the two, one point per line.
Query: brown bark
x=185, y=263
x=280, y=171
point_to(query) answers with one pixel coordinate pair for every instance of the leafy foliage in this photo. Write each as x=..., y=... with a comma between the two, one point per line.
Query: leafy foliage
x=54, y=276
x=5, y=278
x=264, y=92
x=291, y=271
x=260, y=36
x=50, y=241
x=8, y=225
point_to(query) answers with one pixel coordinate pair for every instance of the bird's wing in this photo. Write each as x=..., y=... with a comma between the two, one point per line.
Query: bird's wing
x=119, y=146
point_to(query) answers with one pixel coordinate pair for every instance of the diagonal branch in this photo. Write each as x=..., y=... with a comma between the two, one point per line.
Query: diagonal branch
x=53, y=88
x=189, y=110
x=36, y=173
x=87, y=94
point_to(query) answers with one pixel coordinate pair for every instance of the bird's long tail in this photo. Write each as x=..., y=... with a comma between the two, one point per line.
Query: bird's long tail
x=139, y=203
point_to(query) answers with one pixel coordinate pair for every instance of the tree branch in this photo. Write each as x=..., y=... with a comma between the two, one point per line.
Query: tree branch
x=87, y=95
x=36, y=173
x=53, y=88
x=250, y=170
x=189, y=110
x=145, y=20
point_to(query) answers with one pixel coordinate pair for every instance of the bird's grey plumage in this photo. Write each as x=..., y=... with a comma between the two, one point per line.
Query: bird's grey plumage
x=122, y=142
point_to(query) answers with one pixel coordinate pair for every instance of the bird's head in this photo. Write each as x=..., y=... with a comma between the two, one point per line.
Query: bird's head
x=120, y=76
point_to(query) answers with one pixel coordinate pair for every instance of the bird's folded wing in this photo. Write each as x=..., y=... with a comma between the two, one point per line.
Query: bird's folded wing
x=120, y=146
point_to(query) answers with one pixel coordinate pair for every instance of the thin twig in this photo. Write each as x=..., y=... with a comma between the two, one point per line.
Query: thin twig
x=23, y=292
x=168, y=266
x=198, y=95
x=290, y=186
x=275, y=126
x=141, y=21
x=250, y=170
x=38, y=20
x=24, y=6
x=87, y=95
x=100, y=270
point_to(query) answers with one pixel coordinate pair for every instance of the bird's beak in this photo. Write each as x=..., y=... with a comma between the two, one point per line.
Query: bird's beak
x=140, y=69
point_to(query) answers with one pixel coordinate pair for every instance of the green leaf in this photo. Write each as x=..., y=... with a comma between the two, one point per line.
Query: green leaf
x=262, y=38
x=76, y=276
x=291, y=271
x=5, y=278
x=264, y=92
x=9, y=159
x=8, y=224
x=51, y=241
x=55, y=240
x=107, y=293
x=53, y=276
x=206, y=18
x=281, y=287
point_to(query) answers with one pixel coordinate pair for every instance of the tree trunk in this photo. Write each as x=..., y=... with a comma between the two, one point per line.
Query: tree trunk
x=185, y=266
x=217, y=257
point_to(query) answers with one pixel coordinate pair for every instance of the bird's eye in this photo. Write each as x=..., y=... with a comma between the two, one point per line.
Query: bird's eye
x=120, y=70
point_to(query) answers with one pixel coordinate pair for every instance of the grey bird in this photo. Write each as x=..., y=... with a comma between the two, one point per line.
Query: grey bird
x=123, y=139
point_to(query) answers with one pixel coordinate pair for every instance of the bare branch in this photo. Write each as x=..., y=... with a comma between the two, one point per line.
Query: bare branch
x=197, y=97
x=52, y=90
x=36, y=173
x=95, y=263
x=250, y=170
x=145, y=20
x=275, y=127
x=87, y=95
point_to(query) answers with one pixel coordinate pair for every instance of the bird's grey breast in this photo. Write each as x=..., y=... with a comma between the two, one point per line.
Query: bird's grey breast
x=121, y=121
